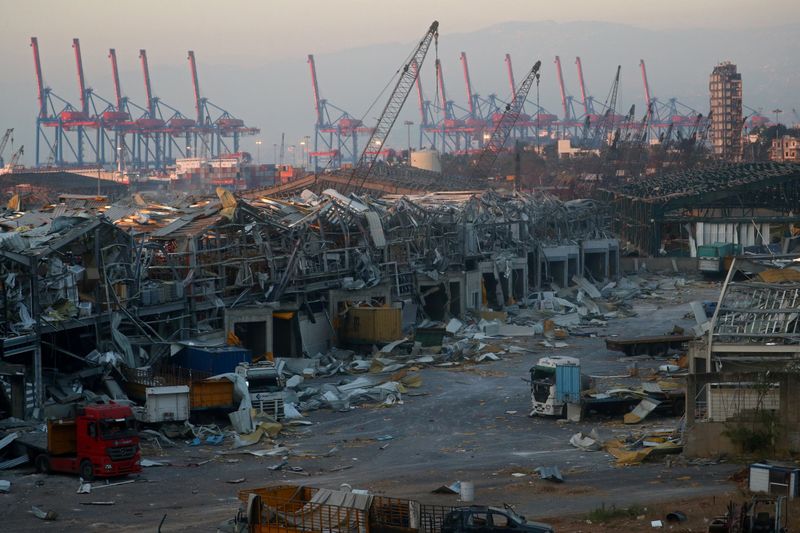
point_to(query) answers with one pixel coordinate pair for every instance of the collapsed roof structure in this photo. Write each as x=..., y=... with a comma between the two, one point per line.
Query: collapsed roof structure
x=677, y=212
x=143, y=279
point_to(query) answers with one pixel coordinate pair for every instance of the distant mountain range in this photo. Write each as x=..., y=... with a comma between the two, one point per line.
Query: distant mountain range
x=277, y=96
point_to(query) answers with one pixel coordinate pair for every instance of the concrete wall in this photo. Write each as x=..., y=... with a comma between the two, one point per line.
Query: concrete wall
x=706, y=440
x=251, y=315
x=472, y=289
x=704, y=437
x=658, y=264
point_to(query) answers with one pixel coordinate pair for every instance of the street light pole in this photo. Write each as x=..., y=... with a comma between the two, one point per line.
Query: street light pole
x=258, y=152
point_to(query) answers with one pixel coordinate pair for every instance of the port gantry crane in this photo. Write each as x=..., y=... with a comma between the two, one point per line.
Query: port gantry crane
x=475, y=123
x=504, y=126
x=426, y=122
x=405, y=83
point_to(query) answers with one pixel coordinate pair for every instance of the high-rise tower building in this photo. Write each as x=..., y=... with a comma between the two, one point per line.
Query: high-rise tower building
x=725, y=86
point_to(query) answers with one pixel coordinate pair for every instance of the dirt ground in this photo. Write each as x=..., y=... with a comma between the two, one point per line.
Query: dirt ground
x=468, y=424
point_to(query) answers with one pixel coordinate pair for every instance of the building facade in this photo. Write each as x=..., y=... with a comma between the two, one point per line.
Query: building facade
x=785, y=148
x=725, y=88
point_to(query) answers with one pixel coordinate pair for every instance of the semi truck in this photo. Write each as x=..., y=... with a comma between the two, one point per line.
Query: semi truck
x=266, y=384
x=296, y=509
x=99, y=442
x=557, y=383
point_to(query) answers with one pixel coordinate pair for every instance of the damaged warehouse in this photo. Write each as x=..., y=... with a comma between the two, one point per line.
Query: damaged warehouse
x=743, y=382
x=746, y=204
x=137, y=286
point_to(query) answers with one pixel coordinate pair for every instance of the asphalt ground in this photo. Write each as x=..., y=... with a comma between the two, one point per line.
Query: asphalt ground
x=467, y=423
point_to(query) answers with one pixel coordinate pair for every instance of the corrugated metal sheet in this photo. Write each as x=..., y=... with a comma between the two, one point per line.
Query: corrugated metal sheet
x=116, y=212
x=376, y=229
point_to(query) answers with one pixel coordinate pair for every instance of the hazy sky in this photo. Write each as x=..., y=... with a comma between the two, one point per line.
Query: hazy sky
x=240, y=31
x=255, y=33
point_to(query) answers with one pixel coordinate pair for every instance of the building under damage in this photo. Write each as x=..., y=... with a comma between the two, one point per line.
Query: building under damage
x=139, y=283
x=749, y=204
x=743, y=385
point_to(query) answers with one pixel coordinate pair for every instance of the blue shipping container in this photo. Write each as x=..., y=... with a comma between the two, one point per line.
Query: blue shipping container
x=212, y=360
x=568, y=383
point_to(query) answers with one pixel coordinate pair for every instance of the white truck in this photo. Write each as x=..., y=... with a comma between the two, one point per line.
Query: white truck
x=555, y=381
x=266, y=384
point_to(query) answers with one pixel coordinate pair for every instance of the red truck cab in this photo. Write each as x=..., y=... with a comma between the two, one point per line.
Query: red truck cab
x=101, y=441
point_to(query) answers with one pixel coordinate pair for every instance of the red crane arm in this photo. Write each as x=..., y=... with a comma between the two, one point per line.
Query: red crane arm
x=468, y=84
x=147, y=88
x=646, y=85
x=197, y=103
x=511, y=82
x=39, y=80
x=112, y=54
x=418, y=83
x=561, y=88
x=583, y=86
x=76, y=45
x=315, y=88
x=440, y=80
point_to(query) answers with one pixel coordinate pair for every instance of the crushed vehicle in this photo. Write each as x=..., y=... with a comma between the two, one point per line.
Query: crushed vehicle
x=292, y=509
x=99, y=442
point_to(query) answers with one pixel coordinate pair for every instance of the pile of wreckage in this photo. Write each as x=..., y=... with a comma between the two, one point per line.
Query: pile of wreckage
x=631, y=448
x=194, y=301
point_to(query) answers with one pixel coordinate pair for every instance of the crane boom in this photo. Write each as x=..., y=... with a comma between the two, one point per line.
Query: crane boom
x=606, y=123
x=587, y=108
x=442, y=92
x=468, y=85
x=564, y=105
x=198, y=104
x=388, y=116
x=647, y=99
x=505, y=125
x=423, y=105
x=511, y=77
x=15, y=158
x=76, y=45
x=315, y=88
x=39, y=80
x=112, y=54
x=147, y=87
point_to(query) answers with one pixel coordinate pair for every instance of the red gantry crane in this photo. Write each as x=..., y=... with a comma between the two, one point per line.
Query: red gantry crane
x=451, y=129
x=569, y=124
x=335, y=134
x=426, y=122
x=211, y=132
